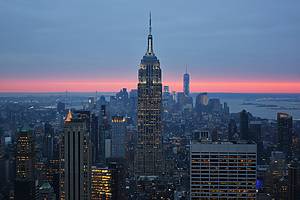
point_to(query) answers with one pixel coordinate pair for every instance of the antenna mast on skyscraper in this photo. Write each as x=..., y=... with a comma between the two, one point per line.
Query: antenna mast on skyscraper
x=150, y=28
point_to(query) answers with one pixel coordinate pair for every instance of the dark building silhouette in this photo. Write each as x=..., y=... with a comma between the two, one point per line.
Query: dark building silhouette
x=48, y=141
x=148, y=161
x=201, y=102
x=255, y=135
x=244, y=125
x=25, y=159
x=103, y=133
x=284, y=132
x=76, y=158
x=294, y=181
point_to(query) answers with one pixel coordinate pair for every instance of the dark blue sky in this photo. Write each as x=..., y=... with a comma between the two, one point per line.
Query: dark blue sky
x=97, y=39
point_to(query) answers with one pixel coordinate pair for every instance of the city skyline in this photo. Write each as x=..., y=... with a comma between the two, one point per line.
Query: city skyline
x=56, y=51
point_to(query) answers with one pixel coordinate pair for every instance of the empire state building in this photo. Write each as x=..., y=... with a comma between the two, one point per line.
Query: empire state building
x=148, y=159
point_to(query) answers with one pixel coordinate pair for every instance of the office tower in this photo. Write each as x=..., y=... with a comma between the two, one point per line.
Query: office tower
x=24, y=183
x=101, y=183
x=94, y=135
x=201, y=102
x=222, y=171
x=244, y=125
x=149, y=147
x=104, y=129
x=226, y=109
x=186, y=83
x=45, y=192
x=214, y=105
x=255, y=131
x=284, y=131
x=75, y=176
x=294, y=181
x=48, y=140
x=276, y=181
x=184, y=102
x=118, y=131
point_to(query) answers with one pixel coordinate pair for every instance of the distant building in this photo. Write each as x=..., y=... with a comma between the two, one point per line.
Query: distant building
x=284, y=132
x=214, y=105
x=232, y=130
x=25, y=160
x=48, y=141
x=244, y=125
x=61, y=107
x=118, y=131
x=186, y=84
x=102, y=135
x=75, y=176
x=222, y=171
x=201, y=101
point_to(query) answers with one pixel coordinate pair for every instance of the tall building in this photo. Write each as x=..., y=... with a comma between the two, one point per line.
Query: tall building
x=284, y=131
x=75, y=176
x=222, y=171
x=102, y=135
x=201, y=101
x=24, y=183
x=244, y=125
x=118, y=131
x=186, y=83
x=255, y=134
x=148, y=161
x=48, y=140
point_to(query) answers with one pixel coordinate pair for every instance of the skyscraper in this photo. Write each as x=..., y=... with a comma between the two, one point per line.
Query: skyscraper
x=186, y=83
x=284, y=129
x=48, y=140
x=24, y=183
x=148, y=160
x=244, y=125
x=118, y=131
x=222, y=171
x=75, y=179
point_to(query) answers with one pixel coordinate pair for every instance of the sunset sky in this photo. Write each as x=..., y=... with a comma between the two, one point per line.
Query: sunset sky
x=228, y=46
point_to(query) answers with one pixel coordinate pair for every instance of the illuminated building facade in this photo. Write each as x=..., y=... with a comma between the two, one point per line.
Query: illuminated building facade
x=101, y=183
x=75, y=174
x=223, y=171
x=148, y=160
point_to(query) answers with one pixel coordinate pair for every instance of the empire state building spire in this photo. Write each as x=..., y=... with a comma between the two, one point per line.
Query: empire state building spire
x=150, y=40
